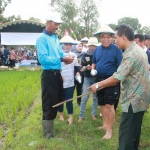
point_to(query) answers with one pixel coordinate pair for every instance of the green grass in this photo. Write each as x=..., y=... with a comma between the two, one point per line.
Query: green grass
x=83, y=136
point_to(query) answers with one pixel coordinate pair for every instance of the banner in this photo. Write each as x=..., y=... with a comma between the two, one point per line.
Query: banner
x=72, y=32
x=17, y=38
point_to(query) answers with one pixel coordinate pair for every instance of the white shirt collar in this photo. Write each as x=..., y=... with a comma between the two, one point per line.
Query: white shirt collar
x=145, y=48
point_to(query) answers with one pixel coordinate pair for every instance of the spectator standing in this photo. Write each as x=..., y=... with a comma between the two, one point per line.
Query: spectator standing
x=6, y=56
x=78, y=86
x=68, y=73
x=106, y=60
x=86, y=63
x=12, y=58
x=85, y=42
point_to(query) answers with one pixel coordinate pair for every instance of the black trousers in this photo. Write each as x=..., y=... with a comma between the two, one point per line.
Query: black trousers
x=12, y=63
x=52, y=93
x=78, y=87
x=108, y=93
x=117, y=100
x=130, y=130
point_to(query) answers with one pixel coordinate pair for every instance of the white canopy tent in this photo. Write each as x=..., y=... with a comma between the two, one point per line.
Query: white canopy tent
x=17, y=38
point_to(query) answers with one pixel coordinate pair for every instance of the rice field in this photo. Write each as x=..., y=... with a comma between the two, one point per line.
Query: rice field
x=17, y=92
x=20, y=119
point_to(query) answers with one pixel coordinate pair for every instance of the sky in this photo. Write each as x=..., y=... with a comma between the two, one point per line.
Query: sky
x=110, y=10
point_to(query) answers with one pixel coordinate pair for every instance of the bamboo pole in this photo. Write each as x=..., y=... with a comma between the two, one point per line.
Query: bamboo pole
x=74, y=98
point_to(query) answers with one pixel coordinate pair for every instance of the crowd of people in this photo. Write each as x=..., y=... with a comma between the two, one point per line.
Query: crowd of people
x=115, y=69
x=10, y=56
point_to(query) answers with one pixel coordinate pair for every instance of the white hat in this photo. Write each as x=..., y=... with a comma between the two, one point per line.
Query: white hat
x=92, y=41
x=54, y=16
x=84, y=39
x=105, y=29
x=68, y=40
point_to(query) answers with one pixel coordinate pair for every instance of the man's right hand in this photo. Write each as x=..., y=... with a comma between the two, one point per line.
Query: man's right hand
x=68, y=59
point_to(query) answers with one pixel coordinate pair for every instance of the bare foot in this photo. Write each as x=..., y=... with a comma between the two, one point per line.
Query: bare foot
x=94, y=118
x=61, y=118
x=79, y=120
x=104, y=127
x=70, y=121
x=108, y=135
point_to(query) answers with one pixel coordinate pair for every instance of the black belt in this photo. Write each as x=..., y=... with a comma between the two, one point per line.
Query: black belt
x=53, y=70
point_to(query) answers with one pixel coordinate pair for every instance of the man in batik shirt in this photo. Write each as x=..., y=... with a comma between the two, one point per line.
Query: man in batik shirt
x=135, y=96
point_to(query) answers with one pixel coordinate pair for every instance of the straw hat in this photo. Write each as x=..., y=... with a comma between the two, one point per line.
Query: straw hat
x=84, y=39
x=92, y=41
x=68, y=40
x=105, y=29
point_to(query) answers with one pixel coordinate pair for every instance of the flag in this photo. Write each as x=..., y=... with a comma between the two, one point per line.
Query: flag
x=80, y=36
x=73, y=33
x=65, y=32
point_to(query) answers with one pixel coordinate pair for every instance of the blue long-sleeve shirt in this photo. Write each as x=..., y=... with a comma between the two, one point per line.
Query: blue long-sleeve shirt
x=6, y=53
x=107, y=60
x=49, y=51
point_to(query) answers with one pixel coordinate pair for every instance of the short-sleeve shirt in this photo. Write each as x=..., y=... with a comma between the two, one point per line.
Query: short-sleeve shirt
x=68, y=71
x=107, y=60
x=134, y=77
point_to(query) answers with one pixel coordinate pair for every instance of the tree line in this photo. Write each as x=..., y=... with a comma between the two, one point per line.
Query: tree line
x=82, y=16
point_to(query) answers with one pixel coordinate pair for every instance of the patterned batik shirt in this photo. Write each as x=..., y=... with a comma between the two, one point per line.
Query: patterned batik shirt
x=134, y=77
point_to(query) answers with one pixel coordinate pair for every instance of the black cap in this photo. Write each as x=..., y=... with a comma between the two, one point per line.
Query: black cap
x=146, y=37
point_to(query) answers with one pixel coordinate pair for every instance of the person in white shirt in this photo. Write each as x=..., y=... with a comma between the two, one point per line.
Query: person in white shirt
x=147, y=41
x=85, y=42
x=68, y=74
x=143, y=41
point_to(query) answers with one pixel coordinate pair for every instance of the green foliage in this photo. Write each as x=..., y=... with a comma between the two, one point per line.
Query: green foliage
x=3, y=4
x=9, y=19
x=113, y=26
x=69, y=12
x=83, y=136
x=132, y=22
x=79, y=136
x=82, y=20
x=88, y=15
x=13, y=18
x=34, y=19
x=146, y=30
x=18, y=90
x=2, y=19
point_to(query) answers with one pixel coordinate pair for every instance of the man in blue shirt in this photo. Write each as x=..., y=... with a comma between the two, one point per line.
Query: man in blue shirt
x=50, y=56
x=6, y=54
x=106, y=59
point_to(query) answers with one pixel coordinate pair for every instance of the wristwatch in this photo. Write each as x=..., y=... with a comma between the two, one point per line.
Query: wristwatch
x=96, y=85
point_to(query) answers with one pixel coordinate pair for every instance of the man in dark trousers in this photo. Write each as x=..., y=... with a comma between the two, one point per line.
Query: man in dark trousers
x=134, y=77
x=50, y=56
x=6, y=56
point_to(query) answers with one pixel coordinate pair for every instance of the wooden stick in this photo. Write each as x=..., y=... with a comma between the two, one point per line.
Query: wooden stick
x=71, y=99
x=74, y=98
